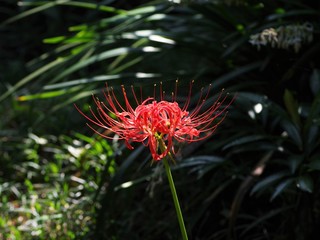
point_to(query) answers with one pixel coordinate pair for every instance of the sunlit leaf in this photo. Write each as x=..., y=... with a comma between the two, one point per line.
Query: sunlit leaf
x=54, y=40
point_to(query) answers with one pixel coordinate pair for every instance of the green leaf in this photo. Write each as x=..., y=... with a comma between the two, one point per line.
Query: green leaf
x=314, y=113
x=266, y=182
x=315, y=164
x=257, y=98
x=201, y=164
x=280, y=11
x=294, y=163
x=29, y=12
x=292, y=106
x=50, y=94
x=53, y=167
x=244, y=140
x=295, y=13
x=293, y=132
x=263, y=218
x=54, y=40
x=201, y=160
x=44, y=5
x=305, y=183
x=236, y=73
x=30, y=77
x=29, y=185
x=93, y=6
x=311, y=137
x=281, y=187
x=97, y=58
x=315, y=81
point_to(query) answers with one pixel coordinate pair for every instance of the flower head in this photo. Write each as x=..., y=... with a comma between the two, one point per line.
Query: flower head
x=157, y=123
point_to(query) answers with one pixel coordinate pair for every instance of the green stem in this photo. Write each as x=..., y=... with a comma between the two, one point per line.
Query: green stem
x=175, y=200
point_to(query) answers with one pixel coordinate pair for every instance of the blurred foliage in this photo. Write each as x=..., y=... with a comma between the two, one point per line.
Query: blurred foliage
x=257, y=178
x=47, y=191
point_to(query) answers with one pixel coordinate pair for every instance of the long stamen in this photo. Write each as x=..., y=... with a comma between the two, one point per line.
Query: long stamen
x=161, y=92
x=186, y=105
x=176, y=91
x=154, y=91
x=134, y=95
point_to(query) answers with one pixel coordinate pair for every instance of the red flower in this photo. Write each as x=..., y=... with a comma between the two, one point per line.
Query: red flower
x=153, y=122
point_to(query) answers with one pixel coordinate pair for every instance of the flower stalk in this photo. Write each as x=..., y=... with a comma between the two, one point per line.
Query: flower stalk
x=175, y=200
x=173, y=188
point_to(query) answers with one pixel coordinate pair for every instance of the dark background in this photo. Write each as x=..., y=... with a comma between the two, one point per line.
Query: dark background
x=257, y=177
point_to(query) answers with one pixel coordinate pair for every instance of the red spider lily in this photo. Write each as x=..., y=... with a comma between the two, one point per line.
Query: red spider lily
x=153, y=122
